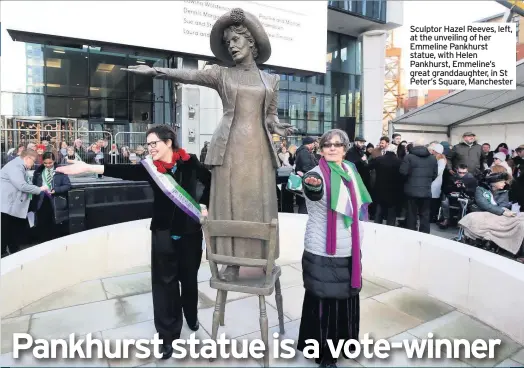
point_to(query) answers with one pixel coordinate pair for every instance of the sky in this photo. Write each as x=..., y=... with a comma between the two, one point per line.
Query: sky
x=438, y=13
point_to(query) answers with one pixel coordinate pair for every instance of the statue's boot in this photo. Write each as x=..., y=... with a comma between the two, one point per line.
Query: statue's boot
x=231, y=273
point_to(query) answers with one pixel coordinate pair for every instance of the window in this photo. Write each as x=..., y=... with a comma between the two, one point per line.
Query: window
x=22, y=104
x=67, y=107
x=144, y=87
x=141, y=112
x=104, y=108
x=106, y=78
x=35, y=68
x=297, y=105
x=66, y=71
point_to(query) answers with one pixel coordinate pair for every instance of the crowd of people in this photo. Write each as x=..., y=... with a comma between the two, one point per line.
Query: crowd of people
x=42, y=195
x=99, y=152
x=418, y=183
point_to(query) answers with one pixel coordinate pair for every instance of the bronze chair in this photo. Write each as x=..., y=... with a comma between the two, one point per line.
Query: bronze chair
x=262, y=285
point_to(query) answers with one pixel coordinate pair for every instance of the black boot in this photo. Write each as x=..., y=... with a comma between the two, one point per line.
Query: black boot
x=167, y=351
x=194, y=326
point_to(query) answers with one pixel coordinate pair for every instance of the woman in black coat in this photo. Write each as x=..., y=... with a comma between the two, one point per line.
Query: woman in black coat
x=176, y=243
x=50, y=209
x=388, y=190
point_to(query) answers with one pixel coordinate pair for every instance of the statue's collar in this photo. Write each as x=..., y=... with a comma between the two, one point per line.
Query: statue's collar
x=247, y=67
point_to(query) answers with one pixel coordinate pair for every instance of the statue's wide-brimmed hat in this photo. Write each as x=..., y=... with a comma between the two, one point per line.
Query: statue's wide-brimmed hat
x=239, y=17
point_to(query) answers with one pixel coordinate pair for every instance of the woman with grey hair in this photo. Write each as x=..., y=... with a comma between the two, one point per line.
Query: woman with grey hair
x=250, y=100
x=337, y=201
x=15, y=197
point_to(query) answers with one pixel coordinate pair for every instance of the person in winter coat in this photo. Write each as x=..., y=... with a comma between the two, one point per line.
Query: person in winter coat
x=468, y=152
x=493, y=197
x=499, y=158
x=357, y=156
x=462, y=181
x=388, y=191
x=305, y=161
x=420, y=169
x=15, y=196
x=331, y=261
x=45, y=206
x=437, y=150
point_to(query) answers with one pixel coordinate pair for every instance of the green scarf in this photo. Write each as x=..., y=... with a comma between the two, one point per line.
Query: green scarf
x=340, y=198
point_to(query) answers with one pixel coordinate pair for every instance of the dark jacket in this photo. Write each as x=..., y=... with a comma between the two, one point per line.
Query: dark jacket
x=516, y=193
x=469, y=155
x=389, y=182
x=420, y=169
x=166, y=215
x=305, y=160
x=61, y=185
x=488, y=158
x=501, y=197
x=519, y=166
x=468, y=184
x=354, y=155
x=327, y=277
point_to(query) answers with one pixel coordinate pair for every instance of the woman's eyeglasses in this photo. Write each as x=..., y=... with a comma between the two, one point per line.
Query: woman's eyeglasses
x=152, y=144
x=329, y=145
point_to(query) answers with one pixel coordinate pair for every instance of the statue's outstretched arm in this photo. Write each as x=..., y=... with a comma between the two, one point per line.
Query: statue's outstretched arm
x=207, y=78
x=272, y=121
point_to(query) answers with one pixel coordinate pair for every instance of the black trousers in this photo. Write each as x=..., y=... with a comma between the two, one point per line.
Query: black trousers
x=46, y=228
x=387, y=211
x=13, y=232
x=435, y=206
x=174, y=262
x=421, y=208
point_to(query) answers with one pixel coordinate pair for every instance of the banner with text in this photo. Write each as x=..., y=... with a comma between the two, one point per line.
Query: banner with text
x=473, y=56
x=297, y=33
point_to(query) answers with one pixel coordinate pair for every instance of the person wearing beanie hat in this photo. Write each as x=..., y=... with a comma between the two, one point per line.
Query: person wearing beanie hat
x=499, y=158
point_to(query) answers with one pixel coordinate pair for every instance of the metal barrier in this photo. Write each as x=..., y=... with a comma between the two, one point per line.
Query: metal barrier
x=58, y=141
x=129, y=147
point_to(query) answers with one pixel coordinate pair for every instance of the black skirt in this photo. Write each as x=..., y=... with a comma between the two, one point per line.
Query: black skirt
x=328, y=319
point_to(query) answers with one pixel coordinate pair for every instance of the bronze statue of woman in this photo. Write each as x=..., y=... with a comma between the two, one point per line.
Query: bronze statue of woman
x=241, y=152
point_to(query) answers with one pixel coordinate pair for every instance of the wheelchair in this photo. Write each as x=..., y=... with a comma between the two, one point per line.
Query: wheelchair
x=460, y=204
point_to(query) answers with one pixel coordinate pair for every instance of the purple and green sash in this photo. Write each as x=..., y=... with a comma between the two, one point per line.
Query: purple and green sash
x=173, y=190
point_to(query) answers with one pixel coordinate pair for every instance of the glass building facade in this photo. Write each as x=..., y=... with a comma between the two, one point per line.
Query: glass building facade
x=317, y=103
x=371, y=9
x=86, y=84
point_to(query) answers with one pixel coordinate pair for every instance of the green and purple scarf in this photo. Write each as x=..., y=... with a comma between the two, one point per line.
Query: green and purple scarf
x=347, y=195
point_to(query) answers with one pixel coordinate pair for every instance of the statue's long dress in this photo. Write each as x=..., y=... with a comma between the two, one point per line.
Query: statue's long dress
x=243, y=188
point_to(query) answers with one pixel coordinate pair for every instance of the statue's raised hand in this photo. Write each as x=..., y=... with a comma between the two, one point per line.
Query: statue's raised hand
x=141, y=70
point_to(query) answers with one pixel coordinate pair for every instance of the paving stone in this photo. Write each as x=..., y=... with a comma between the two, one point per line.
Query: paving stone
x=83, y=293
x=414, y=303
x=119, y=286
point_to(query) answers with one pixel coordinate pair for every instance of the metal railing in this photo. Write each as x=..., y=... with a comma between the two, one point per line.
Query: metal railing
x=130, y=147
x=91, y=146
